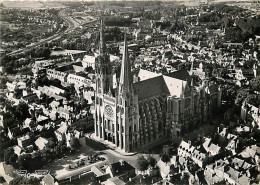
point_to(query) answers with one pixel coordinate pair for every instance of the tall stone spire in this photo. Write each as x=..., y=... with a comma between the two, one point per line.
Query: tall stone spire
x=126, y=81
x=102, y=46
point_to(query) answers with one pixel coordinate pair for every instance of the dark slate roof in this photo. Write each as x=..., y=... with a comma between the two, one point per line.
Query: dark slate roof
x=78, y=64
x=104, y=177
x=181, y=75
x=119, y=169
x=221, y=141
x=175, y=64
x=65, y=68
x=151, y=87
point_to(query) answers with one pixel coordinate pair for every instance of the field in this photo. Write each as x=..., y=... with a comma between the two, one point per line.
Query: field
x=33, y=4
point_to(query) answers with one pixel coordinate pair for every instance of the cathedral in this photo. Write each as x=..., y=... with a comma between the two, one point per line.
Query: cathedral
x=147, y=107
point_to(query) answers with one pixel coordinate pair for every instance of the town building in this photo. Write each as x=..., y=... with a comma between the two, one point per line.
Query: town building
x=41, y=143
x=49, y=180
x=250, y=113
x=89, y=61
x=40, y=67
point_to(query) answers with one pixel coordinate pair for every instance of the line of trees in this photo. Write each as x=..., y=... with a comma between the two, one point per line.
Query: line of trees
x=37, y=160
x=12, y=63
x=143, y=163
x=117, y=21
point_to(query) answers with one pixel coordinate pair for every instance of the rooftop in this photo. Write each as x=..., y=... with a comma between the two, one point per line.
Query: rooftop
x=121, y=167
x=158, y=85
x=66, y=52
x=23, y=138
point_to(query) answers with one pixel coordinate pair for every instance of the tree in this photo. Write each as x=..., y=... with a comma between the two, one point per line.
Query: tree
x=56, y=83
x=44, y=81
x=12, y=159
x=241, y=96
x=22, y=111
x=45, y=154
x=42, y=52
x=9, y=156
x=84, y=103
x=9, y=70
x=255, y=84
x=36, y=162
x=28, y=82
x=151, y=161
x=9, y=120
x=37, y=83
x=4, y=143
x=22, y=180
x=44, y=98
x=165, y=158
x=59, y=150
x=3, y=82
x=4, y=60
x=142, y=163
x=18, y=93
x=23, y=162
x=51, y=144
x=46, y=53
x=253, y=100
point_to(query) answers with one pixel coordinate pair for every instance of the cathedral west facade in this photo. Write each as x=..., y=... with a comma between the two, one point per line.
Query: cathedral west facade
x=148, y=107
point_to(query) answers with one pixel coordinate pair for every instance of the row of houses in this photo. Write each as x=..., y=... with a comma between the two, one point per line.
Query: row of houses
x=215, y=161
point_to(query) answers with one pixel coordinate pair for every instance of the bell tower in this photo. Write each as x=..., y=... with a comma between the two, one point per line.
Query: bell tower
x=104, y=83
x=103, y=66
x=127, y=106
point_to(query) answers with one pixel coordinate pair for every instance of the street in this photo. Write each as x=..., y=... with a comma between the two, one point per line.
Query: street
x=58, y=167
